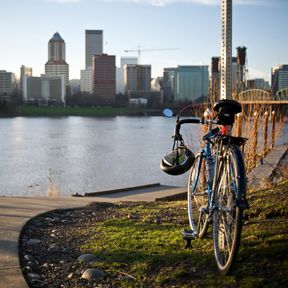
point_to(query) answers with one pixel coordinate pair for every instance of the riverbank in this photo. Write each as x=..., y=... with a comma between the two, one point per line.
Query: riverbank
x=34, y=111
x=140, y=245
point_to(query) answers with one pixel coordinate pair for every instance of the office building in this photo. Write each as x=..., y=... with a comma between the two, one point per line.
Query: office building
x=93, y=45
x=104, y=79
x=56, y=65
x=120, y=83
x=137, y=78
x=168, y=84
x=86, y=80
x=279, y=78
x=7, y=83
x=24, y=71
x=187, y=83
x=44, y=90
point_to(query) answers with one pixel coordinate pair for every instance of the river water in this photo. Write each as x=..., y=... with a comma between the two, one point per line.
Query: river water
x=77, y=154
x=70, y=155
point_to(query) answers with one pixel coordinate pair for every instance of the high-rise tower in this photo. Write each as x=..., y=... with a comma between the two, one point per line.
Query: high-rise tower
x=104, y=78
x=93, y=45
x=24, y=71
x=56, y=65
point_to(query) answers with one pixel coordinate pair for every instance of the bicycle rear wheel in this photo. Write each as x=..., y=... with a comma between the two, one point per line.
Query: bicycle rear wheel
x=198, y=197
x=227, y=217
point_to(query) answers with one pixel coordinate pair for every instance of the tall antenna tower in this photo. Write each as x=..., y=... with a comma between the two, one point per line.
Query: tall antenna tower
x=226, y=50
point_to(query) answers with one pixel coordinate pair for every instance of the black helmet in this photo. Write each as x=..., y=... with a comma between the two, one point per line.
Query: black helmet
x=178, y=161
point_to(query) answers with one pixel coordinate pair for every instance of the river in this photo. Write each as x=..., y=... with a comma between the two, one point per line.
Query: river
x=68, y=155
x=79, y=154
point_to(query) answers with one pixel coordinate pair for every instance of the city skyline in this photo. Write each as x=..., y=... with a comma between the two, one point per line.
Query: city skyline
x=152, y=24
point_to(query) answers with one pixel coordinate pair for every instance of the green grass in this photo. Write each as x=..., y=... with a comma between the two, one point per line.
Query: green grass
x=81, y=111
x=144, y=241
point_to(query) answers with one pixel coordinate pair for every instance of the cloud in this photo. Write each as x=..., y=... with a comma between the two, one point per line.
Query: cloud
x=162, y=3
x=64, y=1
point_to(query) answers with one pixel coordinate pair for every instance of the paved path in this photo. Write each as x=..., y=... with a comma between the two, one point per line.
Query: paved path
x=16, y=211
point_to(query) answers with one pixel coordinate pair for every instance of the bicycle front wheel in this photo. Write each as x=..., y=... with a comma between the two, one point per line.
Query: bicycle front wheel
x=198, y=197
x=227, y=217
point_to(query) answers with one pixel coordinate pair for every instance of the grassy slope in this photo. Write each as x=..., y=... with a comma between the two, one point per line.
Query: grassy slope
x=144, y=240
x=80, y=111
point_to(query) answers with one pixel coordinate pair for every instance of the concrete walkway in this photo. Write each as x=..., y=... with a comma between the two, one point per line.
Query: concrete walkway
x=16, y=211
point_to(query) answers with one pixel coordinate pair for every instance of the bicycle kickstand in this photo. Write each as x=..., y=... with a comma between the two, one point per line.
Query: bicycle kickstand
x=188, y=236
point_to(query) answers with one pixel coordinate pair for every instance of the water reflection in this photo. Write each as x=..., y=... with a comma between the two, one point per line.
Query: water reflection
x=78, y=155
x=82, y=154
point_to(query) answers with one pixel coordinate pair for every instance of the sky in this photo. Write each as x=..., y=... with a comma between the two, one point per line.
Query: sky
x=190, y=26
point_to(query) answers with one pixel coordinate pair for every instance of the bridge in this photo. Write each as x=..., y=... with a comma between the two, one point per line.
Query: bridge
x=261, y=96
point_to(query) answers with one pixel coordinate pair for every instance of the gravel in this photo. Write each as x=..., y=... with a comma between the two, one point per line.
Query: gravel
x=49, y=248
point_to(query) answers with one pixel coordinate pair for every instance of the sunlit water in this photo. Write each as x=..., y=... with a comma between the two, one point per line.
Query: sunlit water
x=77, y=155
x=81, y=154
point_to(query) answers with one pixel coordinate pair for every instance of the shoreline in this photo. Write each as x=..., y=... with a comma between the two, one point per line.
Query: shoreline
x=99, y=111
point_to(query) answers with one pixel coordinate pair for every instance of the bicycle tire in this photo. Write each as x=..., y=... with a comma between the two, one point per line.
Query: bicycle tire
x=197, y=198
x=227, y=217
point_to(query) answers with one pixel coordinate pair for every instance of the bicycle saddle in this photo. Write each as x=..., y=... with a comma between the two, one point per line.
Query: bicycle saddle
x=231, y=105
x=226, y=111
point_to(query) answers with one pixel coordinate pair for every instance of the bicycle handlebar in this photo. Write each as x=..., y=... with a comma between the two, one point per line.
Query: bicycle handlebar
x=186, y=121
x=191, y=121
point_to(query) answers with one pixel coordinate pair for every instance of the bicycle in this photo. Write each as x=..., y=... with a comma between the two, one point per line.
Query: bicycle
x=216, y=184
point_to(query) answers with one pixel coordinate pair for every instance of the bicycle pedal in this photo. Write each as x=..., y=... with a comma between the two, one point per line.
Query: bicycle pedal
x=188, y=235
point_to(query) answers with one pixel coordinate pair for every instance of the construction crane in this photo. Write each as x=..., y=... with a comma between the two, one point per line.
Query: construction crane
x=139, y=51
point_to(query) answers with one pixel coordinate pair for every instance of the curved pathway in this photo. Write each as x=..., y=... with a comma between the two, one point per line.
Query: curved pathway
x=16, y=211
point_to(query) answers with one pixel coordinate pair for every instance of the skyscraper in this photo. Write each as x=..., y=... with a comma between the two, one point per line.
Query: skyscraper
x=24, y=71
x=94, y=45
x=56, y=65
x=120, y=84
x=86, y=80
x=104, y=78
x=168, y=84
x=7, y=83
x=188, y=83
x=137, y=78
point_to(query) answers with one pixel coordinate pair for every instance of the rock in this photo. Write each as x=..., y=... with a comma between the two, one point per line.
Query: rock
x=70, y=275
x=33, y=241
x=28, y=257
x=45, y=265
x=87, y=258
x=53, y=248
x=32, y=265
x=34, y=276
x=92, y=274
